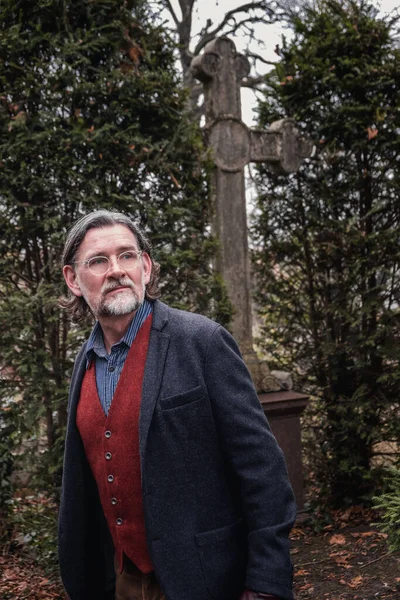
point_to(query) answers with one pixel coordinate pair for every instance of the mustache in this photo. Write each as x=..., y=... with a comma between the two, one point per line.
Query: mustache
x=112, y=285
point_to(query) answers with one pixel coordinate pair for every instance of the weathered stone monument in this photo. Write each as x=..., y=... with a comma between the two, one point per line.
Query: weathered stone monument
x=221, y=70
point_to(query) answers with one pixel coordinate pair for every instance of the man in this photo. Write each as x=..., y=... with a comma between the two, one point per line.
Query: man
x=170, y=471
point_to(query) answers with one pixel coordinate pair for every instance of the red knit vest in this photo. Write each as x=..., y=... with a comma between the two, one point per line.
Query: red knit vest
x=112, y=449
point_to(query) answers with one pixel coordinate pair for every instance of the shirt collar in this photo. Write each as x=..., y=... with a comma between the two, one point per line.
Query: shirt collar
x=95, y=344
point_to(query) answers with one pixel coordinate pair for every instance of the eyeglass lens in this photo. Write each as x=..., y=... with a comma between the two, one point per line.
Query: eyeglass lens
x=101, y=264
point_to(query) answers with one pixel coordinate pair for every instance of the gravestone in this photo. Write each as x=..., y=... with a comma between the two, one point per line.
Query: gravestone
x=221, y=70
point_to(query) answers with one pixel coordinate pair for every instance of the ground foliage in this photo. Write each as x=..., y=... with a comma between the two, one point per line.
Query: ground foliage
x=348, y=559
x=91, y=115
x=326, y=240
x=388, y=503
x=339, y=555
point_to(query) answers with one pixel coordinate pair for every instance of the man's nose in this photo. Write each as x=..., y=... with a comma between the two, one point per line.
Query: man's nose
x=115, y=269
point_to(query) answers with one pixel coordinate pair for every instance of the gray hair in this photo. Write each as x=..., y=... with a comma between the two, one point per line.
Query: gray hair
x=77, y=306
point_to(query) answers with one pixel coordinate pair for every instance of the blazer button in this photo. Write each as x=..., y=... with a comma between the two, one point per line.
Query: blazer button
x=107, y=434
x=114, y=501
x=119, y=521
x=108, y=455
x=110, y=478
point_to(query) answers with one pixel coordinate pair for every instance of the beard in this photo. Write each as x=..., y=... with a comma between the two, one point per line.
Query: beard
x=122, y=303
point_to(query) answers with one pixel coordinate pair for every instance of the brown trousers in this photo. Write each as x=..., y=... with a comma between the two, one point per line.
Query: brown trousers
x=132, y=584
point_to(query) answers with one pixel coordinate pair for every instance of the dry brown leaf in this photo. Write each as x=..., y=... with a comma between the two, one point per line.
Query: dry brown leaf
x=297, y=532
x=341, y=559
x=367, y=534
x=301, y=573
x=345, y=515
x=372, y=132
x=338, y=539
x=134, y=53
x=306, y=586
x=355, y=582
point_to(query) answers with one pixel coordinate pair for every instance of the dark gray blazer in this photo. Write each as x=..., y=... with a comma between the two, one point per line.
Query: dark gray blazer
x=217, y=501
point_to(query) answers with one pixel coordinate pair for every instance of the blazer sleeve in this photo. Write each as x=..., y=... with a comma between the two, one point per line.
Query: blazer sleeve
x=77, y=376
x=251, y=449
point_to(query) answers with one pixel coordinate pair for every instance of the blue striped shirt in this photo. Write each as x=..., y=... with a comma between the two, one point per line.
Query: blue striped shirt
x=109, y=366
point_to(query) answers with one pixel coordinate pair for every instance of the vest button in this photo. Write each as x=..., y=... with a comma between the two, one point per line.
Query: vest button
x=110, y=478
x=108, y=455
x=114, y=501
x=119, y=521
x=111, y=369
x=107, y=434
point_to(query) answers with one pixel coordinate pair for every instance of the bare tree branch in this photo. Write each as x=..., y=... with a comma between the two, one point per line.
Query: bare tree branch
x=252, y=55
x=170, y=8
x=253, y=83
x=234, y=29
x=207, y=35
x=242, y=18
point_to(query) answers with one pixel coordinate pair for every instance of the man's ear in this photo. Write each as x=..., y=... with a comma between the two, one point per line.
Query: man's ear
x=147, y=266
x=71, y=280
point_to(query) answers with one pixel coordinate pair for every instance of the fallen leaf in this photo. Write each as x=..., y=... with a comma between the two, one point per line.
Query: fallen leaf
x=301, y=573
x=341, y=559
x=337, y=539
x=355, y=582
x=297, y=531
x=307, y=586
x=345, y=516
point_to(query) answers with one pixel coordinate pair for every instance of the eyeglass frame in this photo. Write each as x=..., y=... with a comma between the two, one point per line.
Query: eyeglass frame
x=88, y=260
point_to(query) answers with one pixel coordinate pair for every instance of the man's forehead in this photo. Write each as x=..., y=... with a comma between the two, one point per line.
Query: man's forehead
x=110, y=237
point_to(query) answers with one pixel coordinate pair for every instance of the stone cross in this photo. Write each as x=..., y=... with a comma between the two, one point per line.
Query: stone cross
x=221, y=70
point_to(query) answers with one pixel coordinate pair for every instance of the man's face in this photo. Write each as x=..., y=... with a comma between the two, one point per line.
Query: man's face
x=117, y=292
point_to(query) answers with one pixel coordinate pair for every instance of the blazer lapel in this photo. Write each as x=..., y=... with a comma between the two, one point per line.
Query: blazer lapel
x=154, y=371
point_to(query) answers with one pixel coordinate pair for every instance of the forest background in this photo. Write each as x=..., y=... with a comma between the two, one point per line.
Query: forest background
x=98, y=109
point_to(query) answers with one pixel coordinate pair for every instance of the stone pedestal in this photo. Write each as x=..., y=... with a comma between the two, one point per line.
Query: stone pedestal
x=283, y=410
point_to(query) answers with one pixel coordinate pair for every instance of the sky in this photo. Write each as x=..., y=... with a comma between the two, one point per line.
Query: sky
x=271, y=36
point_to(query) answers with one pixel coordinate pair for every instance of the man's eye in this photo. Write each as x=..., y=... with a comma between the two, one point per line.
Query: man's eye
x=98, y=260
x=128, y=256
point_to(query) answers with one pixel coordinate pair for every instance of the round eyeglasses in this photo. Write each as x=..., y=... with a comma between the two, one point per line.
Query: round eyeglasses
x=99, y=265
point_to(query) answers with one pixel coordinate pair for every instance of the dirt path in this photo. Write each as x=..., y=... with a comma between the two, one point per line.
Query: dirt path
x=349, y=560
